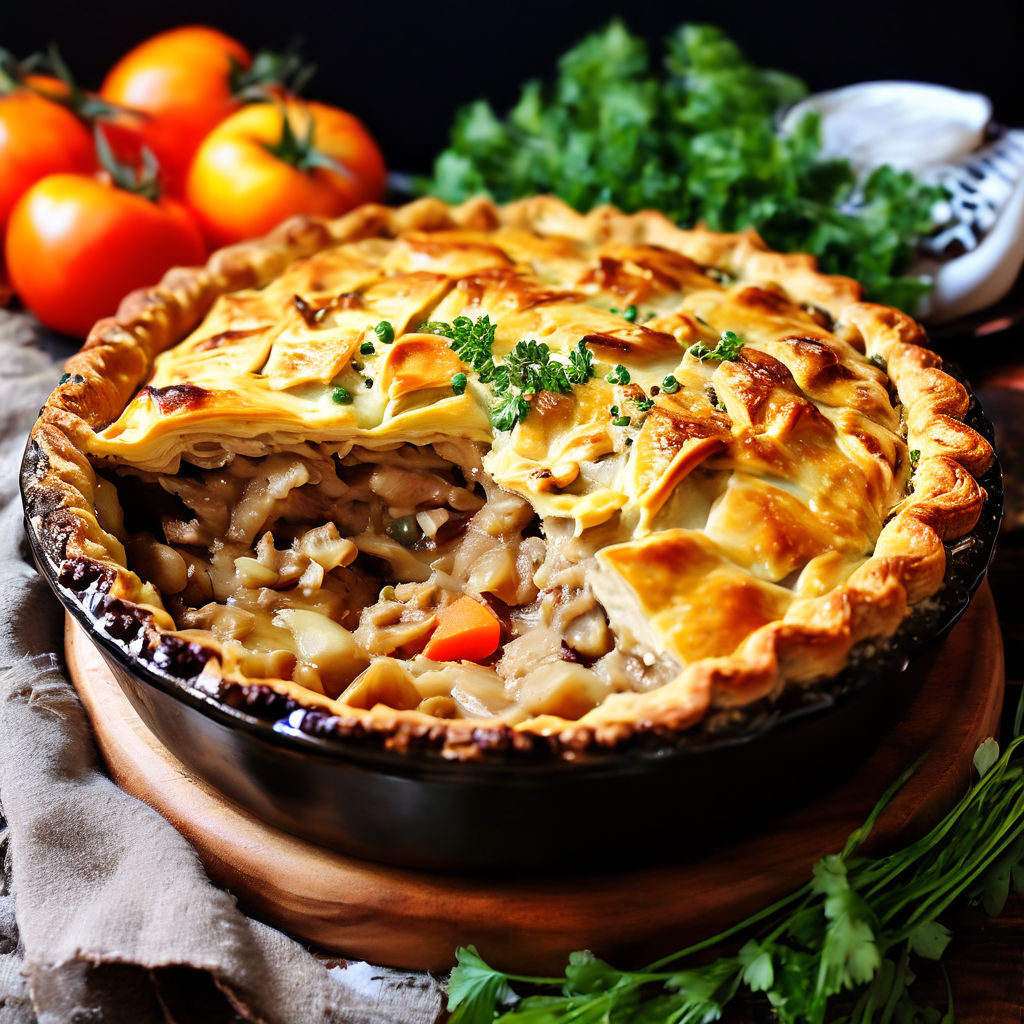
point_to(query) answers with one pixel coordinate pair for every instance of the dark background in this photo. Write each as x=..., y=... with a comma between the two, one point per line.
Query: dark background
x=405, y=67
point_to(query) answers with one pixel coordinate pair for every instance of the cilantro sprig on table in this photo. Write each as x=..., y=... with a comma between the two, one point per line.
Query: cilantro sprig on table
x=695, y=138
x=841, y=948
x=528, y=369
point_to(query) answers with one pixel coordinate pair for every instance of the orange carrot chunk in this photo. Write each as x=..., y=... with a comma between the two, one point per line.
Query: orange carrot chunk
x=466, y=631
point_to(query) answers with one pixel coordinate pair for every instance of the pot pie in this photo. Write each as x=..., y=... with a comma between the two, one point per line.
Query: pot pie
x=674, y=474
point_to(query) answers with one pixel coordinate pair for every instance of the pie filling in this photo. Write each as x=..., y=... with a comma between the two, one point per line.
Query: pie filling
x=329, y=567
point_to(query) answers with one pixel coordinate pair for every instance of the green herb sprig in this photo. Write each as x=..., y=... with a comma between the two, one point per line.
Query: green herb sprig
x=845, y=942
x=528, y=369
x=693, y=135
x=471, y=340
x=727, y=350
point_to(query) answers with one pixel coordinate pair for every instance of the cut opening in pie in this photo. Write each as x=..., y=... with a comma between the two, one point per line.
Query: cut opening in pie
x=331, y=567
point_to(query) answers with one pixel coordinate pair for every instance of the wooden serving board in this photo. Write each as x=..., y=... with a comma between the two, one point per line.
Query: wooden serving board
x=414, y=919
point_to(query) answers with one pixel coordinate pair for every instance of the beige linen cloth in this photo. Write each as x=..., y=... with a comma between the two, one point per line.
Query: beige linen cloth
x=106, y=914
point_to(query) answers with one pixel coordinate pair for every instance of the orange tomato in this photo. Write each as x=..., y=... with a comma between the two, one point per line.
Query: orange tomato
x=37, y=138
x=77, y=244
x=251, y=172
x=181, y=79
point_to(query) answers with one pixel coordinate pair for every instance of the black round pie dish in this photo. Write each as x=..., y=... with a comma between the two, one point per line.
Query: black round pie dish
x=524, y=810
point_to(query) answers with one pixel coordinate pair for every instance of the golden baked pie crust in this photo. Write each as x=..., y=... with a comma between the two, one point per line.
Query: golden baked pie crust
x=796, y=641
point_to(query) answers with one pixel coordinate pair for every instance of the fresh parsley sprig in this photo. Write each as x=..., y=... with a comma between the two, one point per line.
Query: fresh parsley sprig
x=845, y=941
x=528, y=369
x=581, y=363
x=727, y=350
x=471, y=340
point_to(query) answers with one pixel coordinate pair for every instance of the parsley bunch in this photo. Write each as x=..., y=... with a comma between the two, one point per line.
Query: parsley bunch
x=841, y=948
x=696, y=139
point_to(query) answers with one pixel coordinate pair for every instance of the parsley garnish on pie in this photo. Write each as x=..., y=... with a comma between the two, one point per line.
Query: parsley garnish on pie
x=727, y=350
x=581, y=364
x=473, y=342
x=526, y=370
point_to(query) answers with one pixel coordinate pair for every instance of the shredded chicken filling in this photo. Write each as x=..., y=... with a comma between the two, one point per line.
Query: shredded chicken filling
x=328, y=566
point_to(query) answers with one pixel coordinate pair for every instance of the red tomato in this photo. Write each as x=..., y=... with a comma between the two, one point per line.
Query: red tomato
x=37, y=138
x=239, y=188
x=76, y=245
x=182, y=80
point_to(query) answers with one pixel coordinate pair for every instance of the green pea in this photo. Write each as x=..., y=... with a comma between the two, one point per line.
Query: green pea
x=405, y=530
